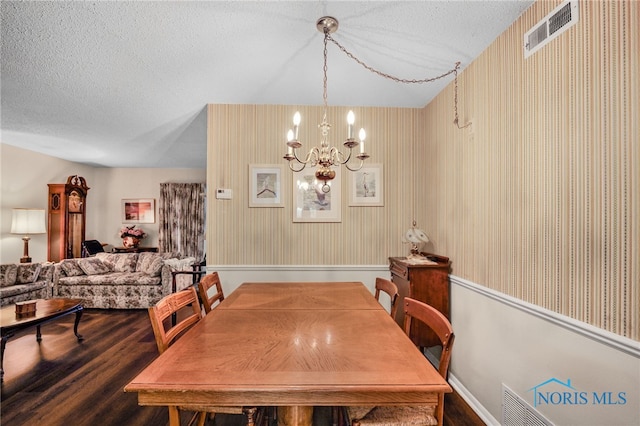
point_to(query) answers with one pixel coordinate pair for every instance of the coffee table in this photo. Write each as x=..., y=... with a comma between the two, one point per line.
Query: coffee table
x=46, y=310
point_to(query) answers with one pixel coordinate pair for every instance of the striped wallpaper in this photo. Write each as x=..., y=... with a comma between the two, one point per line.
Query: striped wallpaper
x=538, y=198
x=240, y=135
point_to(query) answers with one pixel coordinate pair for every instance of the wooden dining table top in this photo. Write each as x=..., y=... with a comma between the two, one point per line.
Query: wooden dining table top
x=292, y=344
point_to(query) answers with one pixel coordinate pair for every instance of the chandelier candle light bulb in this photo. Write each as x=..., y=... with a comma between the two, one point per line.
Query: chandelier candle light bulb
x=362, y=136
x=289, y=148
x=351, y=118
x=296, y=124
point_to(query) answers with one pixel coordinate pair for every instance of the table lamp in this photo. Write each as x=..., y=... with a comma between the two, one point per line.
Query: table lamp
x=26, y=222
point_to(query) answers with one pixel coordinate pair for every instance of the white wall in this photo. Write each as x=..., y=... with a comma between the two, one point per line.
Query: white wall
x=25, y=175
x=500, y=339
x=118, y=183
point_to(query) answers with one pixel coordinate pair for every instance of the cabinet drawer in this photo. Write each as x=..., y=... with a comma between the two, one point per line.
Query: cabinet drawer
x=399, y=270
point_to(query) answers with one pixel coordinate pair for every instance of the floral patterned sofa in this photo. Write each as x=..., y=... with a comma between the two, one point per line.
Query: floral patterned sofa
x=25, y=281
x=116, y=280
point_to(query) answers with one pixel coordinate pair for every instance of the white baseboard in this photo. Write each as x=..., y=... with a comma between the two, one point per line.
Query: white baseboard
x=473, y=403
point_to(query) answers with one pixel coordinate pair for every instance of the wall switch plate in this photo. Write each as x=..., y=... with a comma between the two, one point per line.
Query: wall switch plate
x=224, y=194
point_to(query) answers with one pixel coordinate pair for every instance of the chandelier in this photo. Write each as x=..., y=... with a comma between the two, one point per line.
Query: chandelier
x=325, y=156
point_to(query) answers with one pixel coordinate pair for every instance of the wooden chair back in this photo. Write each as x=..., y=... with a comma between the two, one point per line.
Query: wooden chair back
x=391, y=289
x=204, y=287
x=436, y=321
x=164, y=330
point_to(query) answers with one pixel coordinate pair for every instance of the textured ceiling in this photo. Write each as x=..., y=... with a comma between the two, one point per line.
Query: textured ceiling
x=125, y=84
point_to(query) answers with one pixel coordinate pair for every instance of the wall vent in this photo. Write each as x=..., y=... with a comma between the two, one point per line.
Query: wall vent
x=558, y=21
x=517, y=412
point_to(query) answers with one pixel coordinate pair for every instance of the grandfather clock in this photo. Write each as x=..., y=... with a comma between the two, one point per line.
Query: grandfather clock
x=67, y=218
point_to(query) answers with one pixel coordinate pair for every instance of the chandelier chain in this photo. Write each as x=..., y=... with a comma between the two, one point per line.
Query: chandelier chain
x=453, y=71
x=389, y=76
x=456, y=121
x=325, y=156
x=324, y=69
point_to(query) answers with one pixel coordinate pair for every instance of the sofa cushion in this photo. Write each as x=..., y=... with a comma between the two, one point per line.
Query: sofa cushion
x=112, y=279
x=150, y=263
x=114, y=297
x=8, y=274
x=28, y=273
x=119, y=262
x=180, y=264
x=71, y=268
x=21, y=288
x=46, y=273
x=171, y=255
x=93, y=266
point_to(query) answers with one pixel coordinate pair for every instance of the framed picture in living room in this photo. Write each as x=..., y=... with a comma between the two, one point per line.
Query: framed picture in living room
x=139, y=210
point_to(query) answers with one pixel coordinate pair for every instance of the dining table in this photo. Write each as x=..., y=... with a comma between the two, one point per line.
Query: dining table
x=292, y=345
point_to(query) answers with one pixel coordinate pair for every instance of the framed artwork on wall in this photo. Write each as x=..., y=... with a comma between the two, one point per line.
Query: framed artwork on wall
x=139, y=210
x=366, y=186
x=311, y=203
x=265, y=185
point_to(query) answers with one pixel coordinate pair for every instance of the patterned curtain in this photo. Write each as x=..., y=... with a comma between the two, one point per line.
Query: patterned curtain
x=182, y=218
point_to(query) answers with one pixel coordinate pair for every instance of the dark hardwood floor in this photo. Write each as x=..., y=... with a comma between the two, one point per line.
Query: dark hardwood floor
x=61, y=381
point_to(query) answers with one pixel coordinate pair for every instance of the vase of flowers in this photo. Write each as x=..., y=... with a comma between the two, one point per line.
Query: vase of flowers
x=131, y=236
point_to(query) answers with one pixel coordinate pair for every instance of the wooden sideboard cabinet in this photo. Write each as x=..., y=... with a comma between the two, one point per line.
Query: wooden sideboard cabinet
x=428, y=283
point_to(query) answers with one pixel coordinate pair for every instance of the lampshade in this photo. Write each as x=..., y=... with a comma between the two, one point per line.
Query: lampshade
x=28, y=221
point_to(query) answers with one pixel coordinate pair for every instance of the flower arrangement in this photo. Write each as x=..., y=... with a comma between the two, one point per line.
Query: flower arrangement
x=132, y=231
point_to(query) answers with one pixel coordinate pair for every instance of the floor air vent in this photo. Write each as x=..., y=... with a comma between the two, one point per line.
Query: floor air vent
x=558, y=21
x=517, y=412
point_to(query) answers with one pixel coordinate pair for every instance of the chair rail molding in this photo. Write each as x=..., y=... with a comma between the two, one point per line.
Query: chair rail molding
x=621, y=343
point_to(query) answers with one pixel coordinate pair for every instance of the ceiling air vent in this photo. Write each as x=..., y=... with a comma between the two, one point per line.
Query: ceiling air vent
x=558, y=21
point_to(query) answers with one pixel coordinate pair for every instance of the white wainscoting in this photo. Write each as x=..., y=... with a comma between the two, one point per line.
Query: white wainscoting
x=234, y=275
x=504, y=340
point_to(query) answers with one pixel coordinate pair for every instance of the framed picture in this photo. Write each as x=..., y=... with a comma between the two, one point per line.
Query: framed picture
x=265, y=185
x=139, y=210
x=366, y=186
x=311, y=203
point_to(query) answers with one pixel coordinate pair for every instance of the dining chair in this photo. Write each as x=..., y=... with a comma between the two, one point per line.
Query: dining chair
x=388, y=287
x=205, y=285
x=91, y=247
x=196, y=272
x=166, y=332
x=415, y=414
